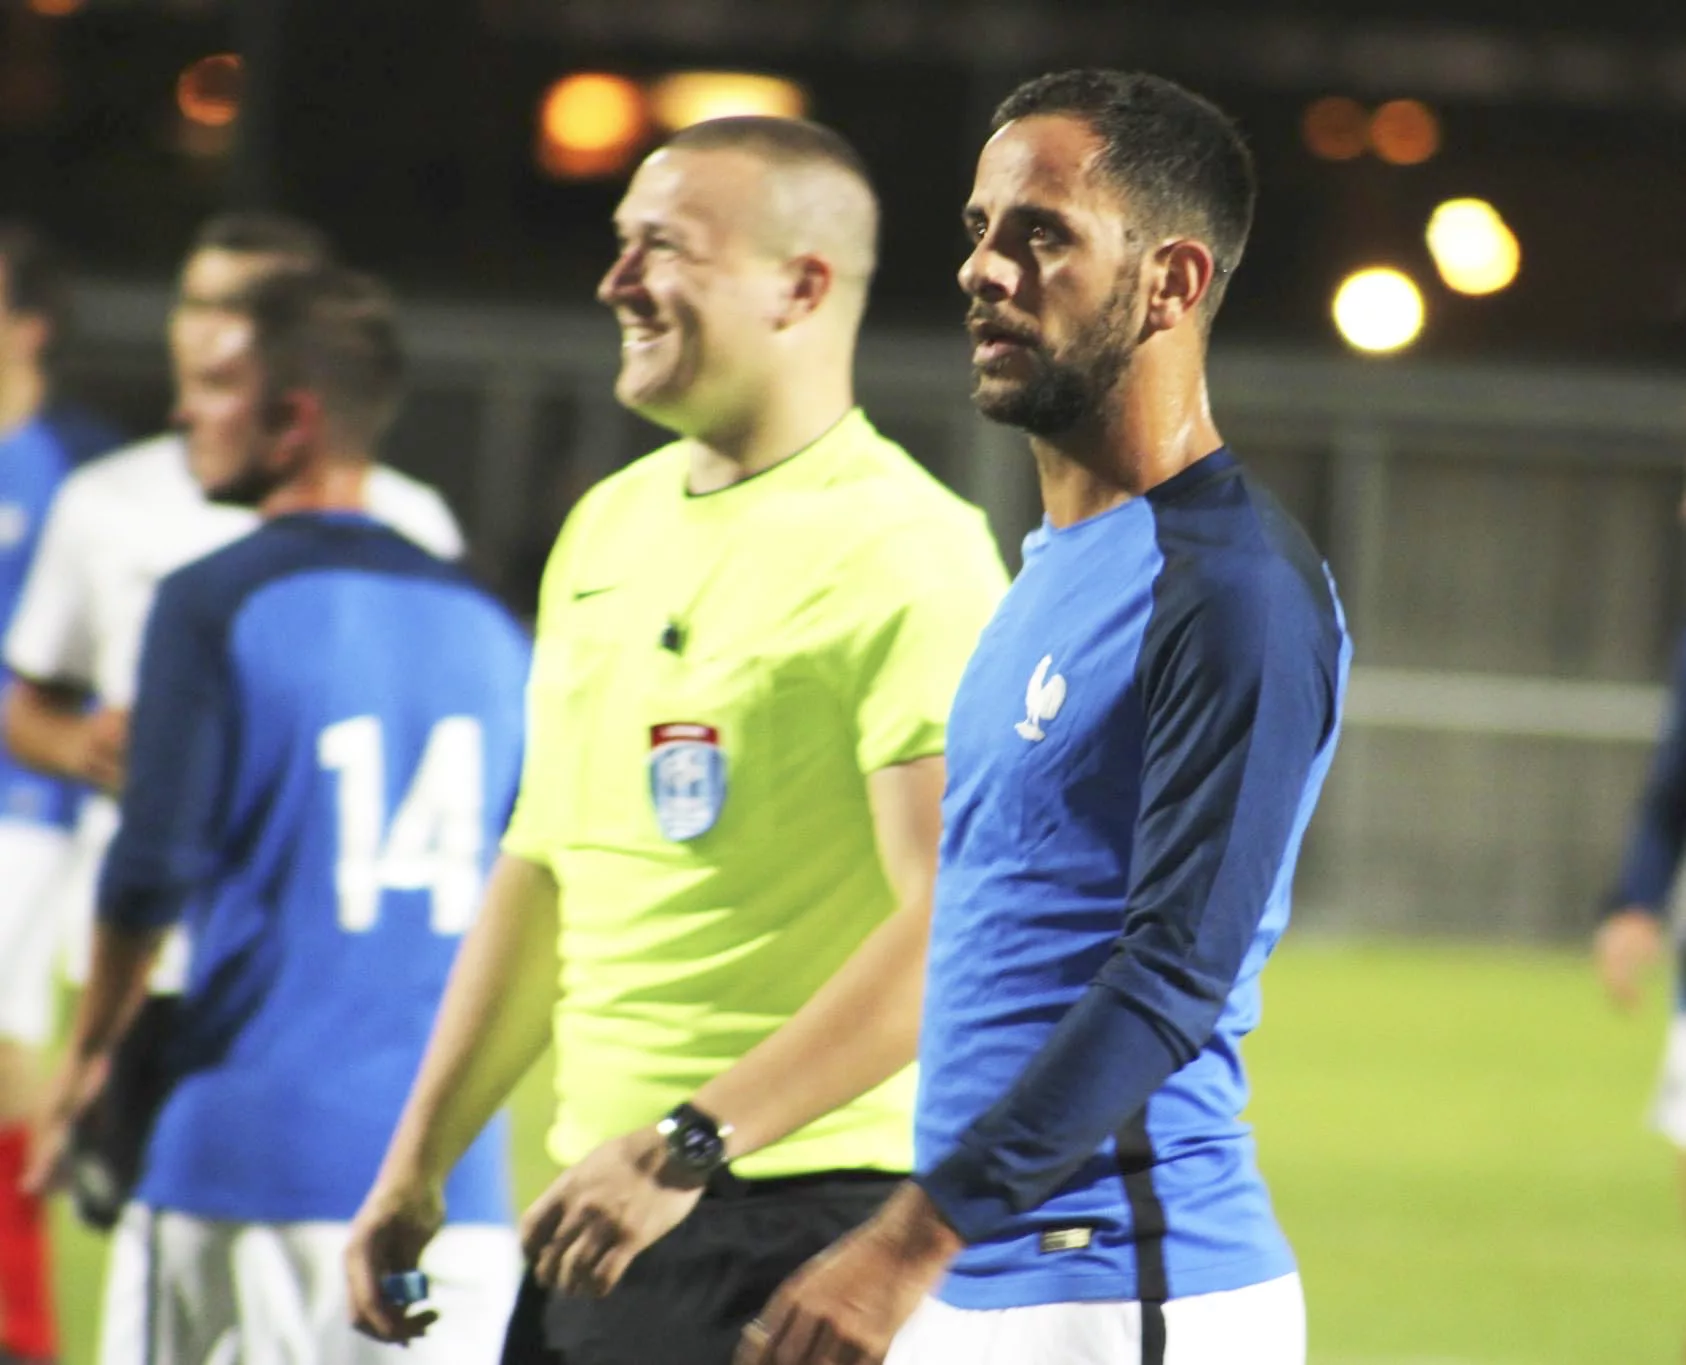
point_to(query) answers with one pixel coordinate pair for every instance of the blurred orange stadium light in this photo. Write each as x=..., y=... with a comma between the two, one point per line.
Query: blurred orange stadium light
x=1336, y=128
x=591, y=124
x=1400, y=132
x=1404, y=132
x=688, y=97
x=208, y=92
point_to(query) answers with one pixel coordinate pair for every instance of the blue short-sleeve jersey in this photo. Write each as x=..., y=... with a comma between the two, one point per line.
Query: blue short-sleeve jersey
x=34, y=458
x=324, y=750
x=1134, y=753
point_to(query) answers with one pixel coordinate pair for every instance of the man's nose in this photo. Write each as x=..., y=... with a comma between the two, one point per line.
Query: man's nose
x=989, y=275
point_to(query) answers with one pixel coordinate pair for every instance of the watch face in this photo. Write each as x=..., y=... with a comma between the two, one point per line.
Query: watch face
x=696, y=1147
x=693, y=1142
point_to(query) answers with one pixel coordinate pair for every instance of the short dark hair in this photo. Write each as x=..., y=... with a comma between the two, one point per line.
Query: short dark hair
x=36, y=280
x=1178, y=156
x=265, y=234
x=333, y=332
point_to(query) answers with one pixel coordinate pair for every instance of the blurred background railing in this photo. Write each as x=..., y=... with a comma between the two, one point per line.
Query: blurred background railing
x=1505, y=539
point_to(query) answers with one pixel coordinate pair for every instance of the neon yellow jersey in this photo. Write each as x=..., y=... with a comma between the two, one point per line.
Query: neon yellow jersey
x=713, y=680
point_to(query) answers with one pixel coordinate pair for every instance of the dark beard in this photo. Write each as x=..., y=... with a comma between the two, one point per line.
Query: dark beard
x=1053, y=400
x=251, y=486
x=1063, y=393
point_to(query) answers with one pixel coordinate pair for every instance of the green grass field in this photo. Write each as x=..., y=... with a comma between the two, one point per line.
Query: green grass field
x=1455, y=1142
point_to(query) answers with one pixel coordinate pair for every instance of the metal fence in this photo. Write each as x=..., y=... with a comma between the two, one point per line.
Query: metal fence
x=1505, y=539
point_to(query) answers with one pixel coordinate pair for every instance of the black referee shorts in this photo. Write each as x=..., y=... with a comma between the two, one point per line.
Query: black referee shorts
x=685, y=1300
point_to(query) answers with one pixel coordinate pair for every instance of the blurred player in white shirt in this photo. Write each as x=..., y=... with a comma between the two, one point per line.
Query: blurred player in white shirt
x=123, y=522
x=40, y=442
x=117, y=526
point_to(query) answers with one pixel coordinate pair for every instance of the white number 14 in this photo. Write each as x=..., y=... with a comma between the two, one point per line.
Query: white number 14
x=435, y=840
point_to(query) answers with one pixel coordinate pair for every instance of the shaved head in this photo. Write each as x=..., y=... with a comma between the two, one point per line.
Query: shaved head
x=746, y=248
x=817, y=198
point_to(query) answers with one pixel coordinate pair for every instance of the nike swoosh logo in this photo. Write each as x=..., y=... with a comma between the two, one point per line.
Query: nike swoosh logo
x=584, y=593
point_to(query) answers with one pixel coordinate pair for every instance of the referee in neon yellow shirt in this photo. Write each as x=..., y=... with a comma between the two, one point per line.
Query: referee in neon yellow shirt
x=724, y=844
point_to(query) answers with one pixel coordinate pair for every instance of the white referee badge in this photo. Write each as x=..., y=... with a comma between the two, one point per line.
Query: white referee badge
x=687, y=778
x=1042, y=700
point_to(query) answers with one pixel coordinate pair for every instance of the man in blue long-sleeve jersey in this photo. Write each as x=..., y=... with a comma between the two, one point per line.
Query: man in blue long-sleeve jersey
x=1633, y=931
x=323, y=752
x=1134, y=753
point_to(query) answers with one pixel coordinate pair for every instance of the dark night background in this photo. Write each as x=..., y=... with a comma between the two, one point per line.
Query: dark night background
x=408, y=130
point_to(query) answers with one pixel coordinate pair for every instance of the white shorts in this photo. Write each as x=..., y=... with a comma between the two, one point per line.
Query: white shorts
x=1263, y=1324
x=186, y=1291
x=33, y=862
x=1668, y=1111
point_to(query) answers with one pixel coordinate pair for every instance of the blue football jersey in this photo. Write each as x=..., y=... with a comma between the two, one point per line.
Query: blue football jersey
x=324, y=751
x=34, y=458
x=1134, y=753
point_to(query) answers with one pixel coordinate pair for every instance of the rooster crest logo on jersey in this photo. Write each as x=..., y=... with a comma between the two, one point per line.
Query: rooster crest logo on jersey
x=1042, y=700
x=687, y=778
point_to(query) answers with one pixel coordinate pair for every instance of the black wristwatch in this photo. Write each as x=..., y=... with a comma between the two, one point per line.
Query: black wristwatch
x=696, y=1143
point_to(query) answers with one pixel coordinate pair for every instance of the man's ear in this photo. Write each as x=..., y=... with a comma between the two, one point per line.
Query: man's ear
x=1183, y=275
x=295, y=418
x=808, y=281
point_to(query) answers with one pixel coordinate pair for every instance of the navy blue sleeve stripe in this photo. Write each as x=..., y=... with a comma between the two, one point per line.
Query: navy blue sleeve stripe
x=1240, y=697
x=1658, y=838
x=180, y=751
x=1064, y=1105
x=1239, y=682
x=1133, y=1148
